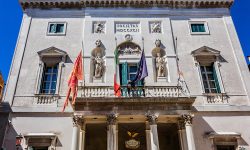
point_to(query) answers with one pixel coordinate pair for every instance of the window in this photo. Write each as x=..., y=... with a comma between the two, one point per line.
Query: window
x=56, y=28
x=38, y=148
x=128, y=73
x=209, y=78
x=198, y=27
x=49, y=79
x=225, y=147
x=208, y=66
x=50, y=67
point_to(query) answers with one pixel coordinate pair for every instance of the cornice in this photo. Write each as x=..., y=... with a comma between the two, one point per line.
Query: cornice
x=125, y=3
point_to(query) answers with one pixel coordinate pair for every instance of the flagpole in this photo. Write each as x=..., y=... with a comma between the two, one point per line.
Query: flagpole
x=83, y=71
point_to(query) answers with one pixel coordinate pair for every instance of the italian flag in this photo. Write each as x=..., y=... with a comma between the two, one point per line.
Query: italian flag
x=117, y=86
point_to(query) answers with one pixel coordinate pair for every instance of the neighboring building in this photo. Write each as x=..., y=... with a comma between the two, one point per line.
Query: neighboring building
x=4, y=111
x=196, y=39
x=1, y=87
x=248, y=62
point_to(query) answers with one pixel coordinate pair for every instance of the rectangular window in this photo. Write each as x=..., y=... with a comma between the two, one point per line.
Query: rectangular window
x=37, y=148
x=225, y=147
x=49, y=79
x=198, y=28
x=57, y=29
x=127, y=74
x=210, y=80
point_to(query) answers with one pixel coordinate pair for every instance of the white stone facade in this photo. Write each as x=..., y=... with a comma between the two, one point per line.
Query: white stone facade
x=224, y=115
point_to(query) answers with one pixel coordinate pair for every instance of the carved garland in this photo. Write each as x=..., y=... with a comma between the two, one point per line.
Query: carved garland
x=129, y=3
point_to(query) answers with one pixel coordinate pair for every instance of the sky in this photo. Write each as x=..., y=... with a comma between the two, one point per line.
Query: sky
x=11, y=17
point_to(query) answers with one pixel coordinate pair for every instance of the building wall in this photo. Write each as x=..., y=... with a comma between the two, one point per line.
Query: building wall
x=22, y=81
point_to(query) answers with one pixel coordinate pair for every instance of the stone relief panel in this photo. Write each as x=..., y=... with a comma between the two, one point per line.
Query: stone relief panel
x=99, y=27
x=129, y=47
x=155, y=27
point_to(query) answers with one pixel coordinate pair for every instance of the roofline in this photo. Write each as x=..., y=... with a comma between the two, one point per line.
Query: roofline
x=126, y=3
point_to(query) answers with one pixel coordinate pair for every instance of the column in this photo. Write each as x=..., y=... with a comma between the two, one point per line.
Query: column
x=112, y=132
x=187, y=118
x=152, y=133
x=182, y=135
x=82, y=135
x=77, y=121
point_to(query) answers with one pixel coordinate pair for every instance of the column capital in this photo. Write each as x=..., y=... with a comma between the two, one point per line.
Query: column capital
x=152, y=118
x=187, y=118
x=112, y=118
x=77, y=120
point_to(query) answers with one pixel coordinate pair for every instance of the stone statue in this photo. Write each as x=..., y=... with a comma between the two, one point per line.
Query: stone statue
x=98, y=65
x=160, y=65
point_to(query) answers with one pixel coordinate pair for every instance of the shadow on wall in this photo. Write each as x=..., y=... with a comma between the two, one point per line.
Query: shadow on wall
x=202, y=129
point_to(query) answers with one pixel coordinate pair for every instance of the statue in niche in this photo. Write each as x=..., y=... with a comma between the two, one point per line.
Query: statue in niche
x=99, y=65
x=160, y=65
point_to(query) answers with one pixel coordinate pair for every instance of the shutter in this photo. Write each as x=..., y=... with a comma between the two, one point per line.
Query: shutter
x=124, y=74
x=216, y=80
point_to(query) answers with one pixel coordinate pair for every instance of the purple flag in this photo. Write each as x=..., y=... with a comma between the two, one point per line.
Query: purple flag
x=142, y=70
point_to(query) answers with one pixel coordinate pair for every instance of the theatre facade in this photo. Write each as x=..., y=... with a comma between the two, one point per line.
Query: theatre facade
x=195, y=97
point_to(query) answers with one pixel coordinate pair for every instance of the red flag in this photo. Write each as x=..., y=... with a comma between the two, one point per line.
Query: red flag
x=76, y=74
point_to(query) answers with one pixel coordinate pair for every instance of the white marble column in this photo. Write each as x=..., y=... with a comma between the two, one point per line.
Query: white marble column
x=112, y=135
x=189, y=131
x=82, y=136
x=77, y=121
x=182, y=135
x=152, y=133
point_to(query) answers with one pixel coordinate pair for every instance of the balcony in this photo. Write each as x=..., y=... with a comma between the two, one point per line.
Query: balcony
x=102, y=99
x=139, y=91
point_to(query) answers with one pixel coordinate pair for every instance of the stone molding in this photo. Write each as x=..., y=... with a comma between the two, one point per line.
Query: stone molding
x=126, y=3
x=187, y=118
x=78, y=120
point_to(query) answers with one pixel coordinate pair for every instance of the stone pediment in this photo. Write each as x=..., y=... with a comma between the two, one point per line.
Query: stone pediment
x=205, y=51
x=125, y=3
x=52, y=52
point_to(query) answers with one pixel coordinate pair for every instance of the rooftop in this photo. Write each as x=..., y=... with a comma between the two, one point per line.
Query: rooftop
x=126, y=3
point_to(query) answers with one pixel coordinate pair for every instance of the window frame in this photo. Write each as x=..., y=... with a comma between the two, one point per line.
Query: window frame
x=51, y=52
x=57, y=34
x=216, y=81
x=51, y=74
x=207, y=31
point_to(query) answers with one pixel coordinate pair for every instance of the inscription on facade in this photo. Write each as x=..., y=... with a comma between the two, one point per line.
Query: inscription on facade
x=125, y=27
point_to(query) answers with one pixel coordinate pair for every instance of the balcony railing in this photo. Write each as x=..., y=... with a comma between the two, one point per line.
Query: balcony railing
x=146, y=91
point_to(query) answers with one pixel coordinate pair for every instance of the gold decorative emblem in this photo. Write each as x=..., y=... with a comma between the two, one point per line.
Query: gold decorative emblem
x=132, y=143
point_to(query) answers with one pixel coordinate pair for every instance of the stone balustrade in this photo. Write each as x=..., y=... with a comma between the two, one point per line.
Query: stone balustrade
x=46, y=99
x=148, y=91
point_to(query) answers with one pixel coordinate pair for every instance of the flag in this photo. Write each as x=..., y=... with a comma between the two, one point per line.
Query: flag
x=117, y=86
x=142, y=70
x=75, y=75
